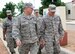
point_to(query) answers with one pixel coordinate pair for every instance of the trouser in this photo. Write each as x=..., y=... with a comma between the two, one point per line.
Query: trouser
x=52, y=47
x=25, y=48
x=11, y=44
x=56, y=47
x=49, y=48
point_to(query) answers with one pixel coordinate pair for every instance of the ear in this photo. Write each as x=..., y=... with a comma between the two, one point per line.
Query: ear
x=48, y=9
x=24, y=9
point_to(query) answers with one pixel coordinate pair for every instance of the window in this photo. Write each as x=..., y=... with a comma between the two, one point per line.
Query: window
x=69, y=12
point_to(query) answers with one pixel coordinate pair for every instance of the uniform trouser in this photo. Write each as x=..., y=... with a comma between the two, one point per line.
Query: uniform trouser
x=52, y=48
x=25, y=48
x=56, y=47
x=49, y=48
x=11, y=44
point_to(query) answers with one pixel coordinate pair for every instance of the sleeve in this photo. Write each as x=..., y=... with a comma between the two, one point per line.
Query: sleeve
x=60, y=29
x=16, y=28
x=42, y=30
x=4, y=26
x=35, y=20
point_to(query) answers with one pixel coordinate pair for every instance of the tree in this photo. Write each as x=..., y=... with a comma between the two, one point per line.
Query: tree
x=45, y=4
x=8, y=6
x=2, y=15
x=20, y=6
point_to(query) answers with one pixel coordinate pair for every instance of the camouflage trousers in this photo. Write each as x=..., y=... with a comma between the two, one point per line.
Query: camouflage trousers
x=56, y=48
x=30, y=47
x=11, y=44
x=52, y=47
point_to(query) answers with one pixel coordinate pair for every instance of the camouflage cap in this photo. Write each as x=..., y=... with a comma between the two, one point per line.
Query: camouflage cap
x=36, y=10
x=28, y=5
x=8, y=12
x=52, y=7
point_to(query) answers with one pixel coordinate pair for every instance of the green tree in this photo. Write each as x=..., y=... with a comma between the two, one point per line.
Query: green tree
x=20, y=6
x=8, y=6
x=45, y=4
x=2, y=15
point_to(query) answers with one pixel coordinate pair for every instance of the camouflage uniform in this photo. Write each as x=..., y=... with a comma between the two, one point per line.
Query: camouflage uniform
x=10, y=41
x=24, y=29
x=39, y=22
x=51, y=30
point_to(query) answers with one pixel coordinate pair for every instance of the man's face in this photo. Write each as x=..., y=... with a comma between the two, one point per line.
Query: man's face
x=37, y=13
x=29, y=10
x=50, y=12
x=9, y=16
x=53, y=13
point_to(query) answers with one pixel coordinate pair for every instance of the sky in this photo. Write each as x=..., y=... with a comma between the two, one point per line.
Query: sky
x=37, y=3
x=66, y=1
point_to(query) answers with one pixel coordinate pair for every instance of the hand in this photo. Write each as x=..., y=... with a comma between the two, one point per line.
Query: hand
x=18, y=42
x=61, y=39
x=4, y=38
x=42, y=43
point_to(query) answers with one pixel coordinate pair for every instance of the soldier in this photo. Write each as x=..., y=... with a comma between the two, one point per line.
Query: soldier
x=36, y=13
x=38, y=19
x=7, y=32
x=39, y=22
x=51, y=31
x=24, y=31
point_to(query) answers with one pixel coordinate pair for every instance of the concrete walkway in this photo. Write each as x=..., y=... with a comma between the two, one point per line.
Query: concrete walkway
x=70, y=25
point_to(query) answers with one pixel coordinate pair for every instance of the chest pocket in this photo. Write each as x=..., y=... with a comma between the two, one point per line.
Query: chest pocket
x=48, y=24
x=24, y=24
x=56, y=22
x=8, y=25
x=32, y=25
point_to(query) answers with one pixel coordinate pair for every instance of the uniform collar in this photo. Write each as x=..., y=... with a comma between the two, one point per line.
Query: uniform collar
x=9, y=19
x=27, y=17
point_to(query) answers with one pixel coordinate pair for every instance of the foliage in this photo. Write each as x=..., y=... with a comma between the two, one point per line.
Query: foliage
x=45, y=4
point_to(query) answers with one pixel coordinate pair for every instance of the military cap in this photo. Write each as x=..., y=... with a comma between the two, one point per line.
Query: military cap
x=36, y=10
x=8, y=12
x=52, y=7
x=28, y=5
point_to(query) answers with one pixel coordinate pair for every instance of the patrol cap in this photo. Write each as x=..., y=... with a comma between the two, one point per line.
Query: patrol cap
x=36, y=10
x=8, y=12
x=52, y=7
x=28, y=5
